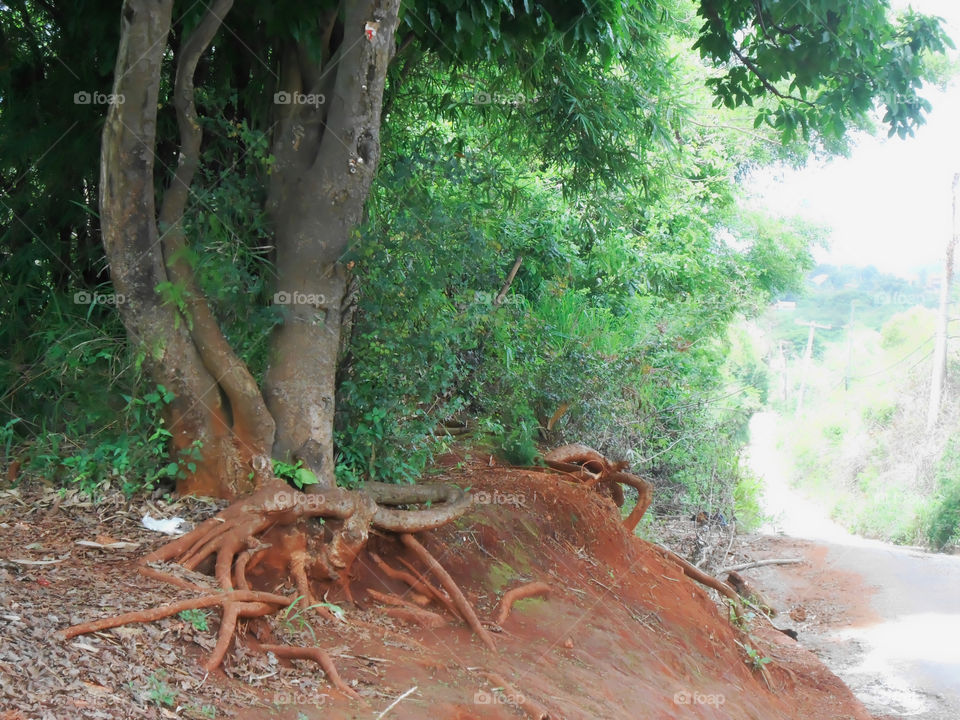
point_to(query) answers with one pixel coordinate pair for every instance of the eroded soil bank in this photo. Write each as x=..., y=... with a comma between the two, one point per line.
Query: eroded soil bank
x=622, y=634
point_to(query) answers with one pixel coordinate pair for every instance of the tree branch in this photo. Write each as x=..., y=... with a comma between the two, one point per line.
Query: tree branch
x=252, y=423
x=509, y=281
x=751, y=66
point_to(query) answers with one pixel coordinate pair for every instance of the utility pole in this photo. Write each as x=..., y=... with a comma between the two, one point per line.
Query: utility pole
x=807, y=356
x=784, y=389
x=940, y=344
x=849, y=373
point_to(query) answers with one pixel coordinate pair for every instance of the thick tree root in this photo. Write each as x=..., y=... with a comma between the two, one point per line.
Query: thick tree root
x=416, y=582
x=272, y=527
x=519, y=593
x=391, y=599
x=456, y=595
x=531, y=707
x=234, y=605
x=318, y=656
x=417, y=616
x=592, y=469
x=435, y=592
x=695, y=573
x=750, y=594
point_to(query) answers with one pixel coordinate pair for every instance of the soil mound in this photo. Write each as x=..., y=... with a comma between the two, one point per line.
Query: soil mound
x=620, y=633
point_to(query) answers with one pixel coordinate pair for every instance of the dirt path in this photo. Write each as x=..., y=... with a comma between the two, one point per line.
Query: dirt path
x=886, y=619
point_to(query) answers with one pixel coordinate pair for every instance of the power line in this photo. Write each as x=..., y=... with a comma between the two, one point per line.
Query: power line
x=891, y=367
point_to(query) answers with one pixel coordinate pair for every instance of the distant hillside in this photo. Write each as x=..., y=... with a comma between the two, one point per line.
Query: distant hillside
x=833, y=295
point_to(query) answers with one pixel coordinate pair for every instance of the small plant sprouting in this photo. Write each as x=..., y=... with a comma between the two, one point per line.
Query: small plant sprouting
x=201, y=712
x=197, y=618
x=295, y=621
x=158, y=692
x=739, y=616
x=300, y=476
x=754, y=658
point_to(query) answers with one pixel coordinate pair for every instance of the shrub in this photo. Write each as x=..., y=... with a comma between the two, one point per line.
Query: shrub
x=943, y=518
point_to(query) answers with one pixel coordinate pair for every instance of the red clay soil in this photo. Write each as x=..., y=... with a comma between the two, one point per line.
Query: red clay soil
x=621, y=634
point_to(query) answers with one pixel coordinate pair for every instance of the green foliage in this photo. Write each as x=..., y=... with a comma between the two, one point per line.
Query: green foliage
x=80, y=412
x=754, y=658
x=906, y=330
x=159, y=692
x=197, y=618
x=943, y=518
x=747, y=495
x=577, y=137
x=861, y=446
x=294, y=473
x=800, y=53
x=295, y=617
x=202, y=711
x=879, y=414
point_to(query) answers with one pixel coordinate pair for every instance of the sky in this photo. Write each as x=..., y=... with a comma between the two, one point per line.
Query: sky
x=889, y=203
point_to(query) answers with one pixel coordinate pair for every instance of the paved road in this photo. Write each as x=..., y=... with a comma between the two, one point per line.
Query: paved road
x=903, y=660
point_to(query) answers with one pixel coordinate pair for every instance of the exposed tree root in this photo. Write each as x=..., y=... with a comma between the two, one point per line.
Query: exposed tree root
x=519, y=593
x=272, y=528
x=417, y=616
x=391, y=599
x=695, y=573
x=530, y=706
x=440, y=595
x=759, y=563
x=750, y=594
x=456, y=595
x=592, y=469
x=320, y=657
x=415, y=580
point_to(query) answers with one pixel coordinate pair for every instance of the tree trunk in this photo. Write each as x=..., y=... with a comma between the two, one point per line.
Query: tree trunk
x=943, y=319
x=327, y=147
x=326, y=157
x=178, y=344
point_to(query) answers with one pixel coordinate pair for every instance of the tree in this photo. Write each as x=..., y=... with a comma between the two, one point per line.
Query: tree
x=333, y=69
x=330, y=71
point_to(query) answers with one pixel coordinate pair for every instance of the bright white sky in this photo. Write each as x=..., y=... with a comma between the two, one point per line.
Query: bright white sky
x=889, y=203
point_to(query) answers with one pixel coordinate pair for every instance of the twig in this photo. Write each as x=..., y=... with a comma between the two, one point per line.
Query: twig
x=696, y=574
x=733, y=535
x=759, y=563
x=395, y=702
x=21, y=561
x=506, y=285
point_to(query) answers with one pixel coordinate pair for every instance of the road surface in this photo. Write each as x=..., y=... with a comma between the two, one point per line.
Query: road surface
x=884, y=618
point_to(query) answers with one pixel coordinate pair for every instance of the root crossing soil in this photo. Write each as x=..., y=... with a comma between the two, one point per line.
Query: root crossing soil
x=622, y=633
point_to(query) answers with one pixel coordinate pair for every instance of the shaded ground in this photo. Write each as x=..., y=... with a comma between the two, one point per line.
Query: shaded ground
x=623, y=633
x=884, y=618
